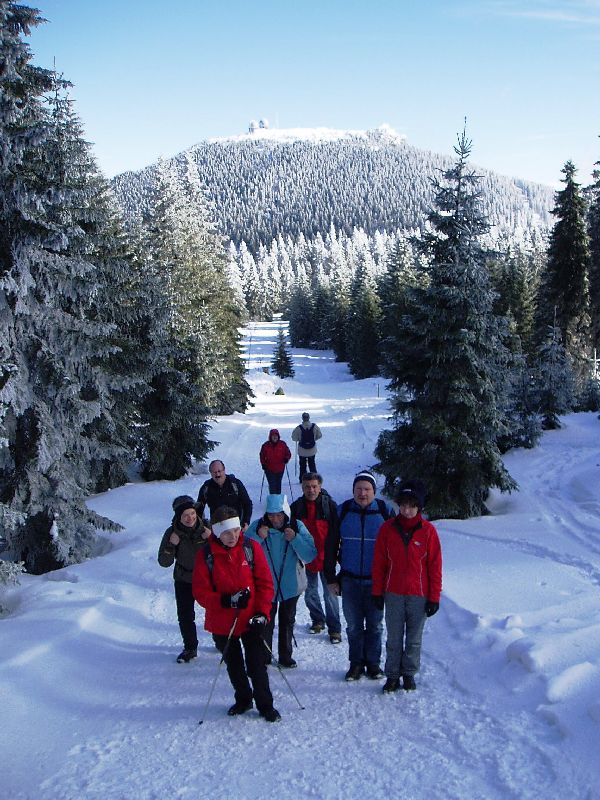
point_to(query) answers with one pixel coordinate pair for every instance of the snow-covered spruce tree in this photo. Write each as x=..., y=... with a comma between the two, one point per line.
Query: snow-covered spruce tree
x=448, y=391
x=282, y=364
x=172, y=428
x=594, y=234
x=362, y=323
x=555, y=380
x=515, y=280
x=563, y=297
x=203, y=317
x=301, y=312
x=52, y=388
x=523, y=423
x=117, y=370
x=404, y=272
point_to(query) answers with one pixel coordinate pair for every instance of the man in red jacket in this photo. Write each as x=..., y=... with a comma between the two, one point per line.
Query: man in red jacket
x=274, y=455
x=237, y=596
x=407, y=579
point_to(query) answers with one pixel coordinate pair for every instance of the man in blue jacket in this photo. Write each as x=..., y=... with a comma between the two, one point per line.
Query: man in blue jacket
x=285, y=545
x=352, y=546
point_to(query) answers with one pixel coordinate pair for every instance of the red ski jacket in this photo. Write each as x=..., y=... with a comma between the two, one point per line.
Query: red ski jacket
x=230, y=573
x=414, y=568
x=274, y=457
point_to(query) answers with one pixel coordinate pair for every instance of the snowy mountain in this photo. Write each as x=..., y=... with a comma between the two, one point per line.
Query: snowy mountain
x=272, y=182
x=507, y=705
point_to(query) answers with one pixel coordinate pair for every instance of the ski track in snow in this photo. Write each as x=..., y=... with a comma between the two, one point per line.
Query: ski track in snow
x=507, y=703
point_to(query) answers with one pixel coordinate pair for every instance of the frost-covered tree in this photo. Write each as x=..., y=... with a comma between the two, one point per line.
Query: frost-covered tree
x=362, y=323
x=54, y=387
x=403, y=273
x=448, y=390
x=203, y=315
x=555, y=380
x=282, y=364
x=594, y=234
x=563, y=298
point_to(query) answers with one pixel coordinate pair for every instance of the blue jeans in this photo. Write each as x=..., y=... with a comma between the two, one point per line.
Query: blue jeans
x=404, y=620
x=313, y=602
x=364, y=621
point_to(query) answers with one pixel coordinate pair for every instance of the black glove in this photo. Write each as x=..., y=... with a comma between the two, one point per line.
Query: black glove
x=378, y=601
x=238, y=600
x=431, y=608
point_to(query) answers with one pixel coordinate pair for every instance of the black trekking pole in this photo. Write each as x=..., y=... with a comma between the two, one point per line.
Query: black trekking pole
x=261, y=487
x=214, y=683
x=281, y=672
x=290, y=483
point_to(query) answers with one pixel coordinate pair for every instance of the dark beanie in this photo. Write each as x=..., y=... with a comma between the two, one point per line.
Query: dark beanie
x=182, y=503
x=411, y=490
x=365, y=475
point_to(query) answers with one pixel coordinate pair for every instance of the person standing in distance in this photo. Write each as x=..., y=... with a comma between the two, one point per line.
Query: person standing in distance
x=273, y=456
x=352, y=546
x=407, y=579
x=224, y=490
x=306, y=435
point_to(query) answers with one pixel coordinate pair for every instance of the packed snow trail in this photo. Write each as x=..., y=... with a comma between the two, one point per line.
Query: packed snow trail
x=508, y=700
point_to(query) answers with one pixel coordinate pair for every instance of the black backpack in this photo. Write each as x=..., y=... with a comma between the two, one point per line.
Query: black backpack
x=307, y=437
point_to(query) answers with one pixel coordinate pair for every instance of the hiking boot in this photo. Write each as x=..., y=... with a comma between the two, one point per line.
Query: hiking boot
x=374, y=672
x=239, y=708
x=391, y=685
x=316, y=627
x=409, y=683
x=355, y=672
x=288, y=663
x=186, y=655
x=335, y=638
x=271, y=715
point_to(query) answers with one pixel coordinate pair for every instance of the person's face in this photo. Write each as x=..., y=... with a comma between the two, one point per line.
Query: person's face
x=188, y=518
x=408, y=508
x=274, y=438
x=276, y=519
x=230, y=538
x=217, y=473
x=364, y=493
x=311, y=490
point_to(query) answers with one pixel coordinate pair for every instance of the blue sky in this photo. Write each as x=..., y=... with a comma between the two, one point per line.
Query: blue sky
x=153, y=78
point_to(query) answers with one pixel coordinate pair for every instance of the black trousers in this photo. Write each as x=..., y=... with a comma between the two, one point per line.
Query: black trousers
x=286, y=617
x=274, y=481
x=311, y=465
x=186, y=614
x=254, y=668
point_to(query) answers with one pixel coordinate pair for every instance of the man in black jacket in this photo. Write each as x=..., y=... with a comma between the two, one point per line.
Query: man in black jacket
x=224, y=490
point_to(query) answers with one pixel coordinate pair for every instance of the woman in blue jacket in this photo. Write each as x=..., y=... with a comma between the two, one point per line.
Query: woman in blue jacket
x=286, y=546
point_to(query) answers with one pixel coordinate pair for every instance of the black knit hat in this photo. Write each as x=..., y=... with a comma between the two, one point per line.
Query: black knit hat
x=411, y=490
x=182, y=503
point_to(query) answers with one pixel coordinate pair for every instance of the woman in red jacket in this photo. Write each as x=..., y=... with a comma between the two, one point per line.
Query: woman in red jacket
x=407, y=579
x=274, y=455
x=232, y=581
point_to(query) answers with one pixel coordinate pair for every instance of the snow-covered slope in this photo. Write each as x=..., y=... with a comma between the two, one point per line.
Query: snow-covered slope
x=508, y=701
x=280, y=135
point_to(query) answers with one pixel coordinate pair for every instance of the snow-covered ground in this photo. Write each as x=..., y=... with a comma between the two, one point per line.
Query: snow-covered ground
x=93, y=705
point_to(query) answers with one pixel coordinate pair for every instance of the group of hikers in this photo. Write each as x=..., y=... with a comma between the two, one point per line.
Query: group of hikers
x=248, y=575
